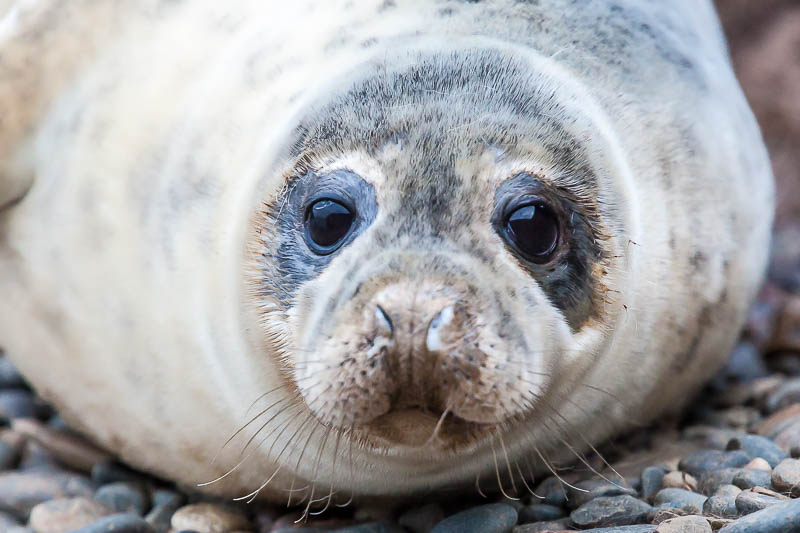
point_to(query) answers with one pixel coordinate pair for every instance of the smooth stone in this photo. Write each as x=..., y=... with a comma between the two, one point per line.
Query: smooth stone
x=703, y=461
x=118, y=523
x=7, y=521
x=17, y=403
x=661, y=514
x=63, y=515
x=553, y=491
x=540, y=512
x=781, y=518
x=722, y=503
x=35, y=457
x=590, y=489
x=421, y=519
x=748, y=478
x=384, y=526
x=758, y=446
x=709, y=436
x=165, y=503
x=750, y=501
x=651, y=479
x=9, y=455
x=745, y=363
x=686, y=500
x=10, y=378
x=66, y=447
x=786, y=477
x=679, y=480
x=167, y=497
x=685, y=524
x=298, y=530
x=208, y=518
x=21, y=491
x=105, y=472
x=490, y=518
x=785, y=395
x=711, y=481
x=638, y=528
x=548, y=525
x=611, y=511
x=124, y=497
x=758, y=464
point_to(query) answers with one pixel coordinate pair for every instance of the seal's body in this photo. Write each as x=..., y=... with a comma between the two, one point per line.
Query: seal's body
x=431, y=241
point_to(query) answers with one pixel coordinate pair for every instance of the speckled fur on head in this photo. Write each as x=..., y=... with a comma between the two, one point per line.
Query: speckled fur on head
x=157, y=158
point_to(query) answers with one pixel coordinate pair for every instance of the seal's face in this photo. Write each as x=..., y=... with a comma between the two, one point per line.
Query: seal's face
x=434, y=262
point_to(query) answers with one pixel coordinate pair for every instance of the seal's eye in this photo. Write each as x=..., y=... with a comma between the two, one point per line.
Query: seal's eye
x=327, y=223
x=533, y=230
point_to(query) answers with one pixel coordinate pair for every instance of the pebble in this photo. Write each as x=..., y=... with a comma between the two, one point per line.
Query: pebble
x=491, y=518
x=7, y=521
x=21, y=491
x=704, y=461
x=781, y=518
x=650, y=482
x=786, y=477
x=10, y=378
x=723, y=502
x=421, y=519
x=123, y=497
x=610, y=511
x=679, y=480
x=551, y=525
x=685, y=500
x=758, y=464
x=208, y=518
x=9, y=455
x=540, y=512
x=784, y=396
x=17, y=403
x=685, y=524
x=117, y=523
x=590, y=489
x=745, y=363
x=63, y=515
x=105, y=472
x=752, y=500
x=552, y=491
x=383, y=526
x=65, y=446
x=758, y=446
x=711, y=481
x=748, y=478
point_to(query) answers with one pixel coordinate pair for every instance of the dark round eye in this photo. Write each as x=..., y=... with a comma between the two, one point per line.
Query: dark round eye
x=327, y=223
x=533, y=230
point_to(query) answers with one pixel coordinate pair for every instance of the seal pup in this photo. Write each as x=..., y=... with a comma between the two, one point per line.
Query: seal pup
x=430, y=244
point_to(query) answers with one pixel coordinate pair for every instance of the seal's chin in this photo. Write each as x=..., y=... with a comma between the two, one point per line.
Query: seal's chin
x=419, y=430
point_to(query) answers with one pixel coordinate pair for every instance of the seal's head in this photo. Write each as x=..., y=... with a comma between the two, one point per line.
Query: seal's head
x=438, y=256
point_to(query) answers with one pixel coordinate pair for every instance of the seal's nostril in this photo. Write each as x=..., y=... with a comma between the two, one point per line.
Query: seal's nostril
x=382, y=318
x=434, y=339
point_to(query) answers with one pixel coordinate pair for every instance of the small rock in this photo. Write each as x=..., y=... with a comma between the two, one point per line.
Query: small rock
x=679, y=480
x=709, y=436
x=781, y=518
x=745, y=363
x=540, y=512
x=491, y=518
x=106, y=472
x=553, y=491
x=662, y=514
x=421, y=519
x=779, y=421
x=35, y=457
x=9, y=455
x=685, y=524
x=722, y=503
x=7, y=521
x=651, y=479
x=686, y=500
x=786, y=477
x=758, y=464
x=590, y=489
x=10, y=378
x=383, y=526
x=704, y=461
x=17, y=403
x=752, y=500
x=124, y=497
x=537, y=527
x=63, y=515
x=68, y=448
x=611, y=511
x=117, y=523
x=748, y=478
x=758, y=446
x=712, y=480
x=208, y=518
x=784, y=396
x=21, y=491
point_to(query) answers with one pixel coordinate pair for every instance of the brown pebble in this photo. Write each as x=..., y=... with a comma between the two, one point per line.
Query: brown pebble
x=786, y=477
x=660, y=515
x=679, y=480
x=778, y=421
x=685, y=524
x=719, y=523
x=66, y=447
x=209, y=518
x=66, y=514
x=758, y=464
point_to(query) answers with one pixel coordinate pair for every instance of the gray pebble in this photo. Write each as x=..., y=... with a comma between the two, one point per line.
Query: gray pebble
x=781, y=518
x=21, y=491
x=703, y=461
x=723, y=503
x=748, y=478
x=745, y=363
x=651, y=481
x=682, y=499
x=785, y=395
x=106, y=472
x=383, y=526
x=711, y=481
x=10, y=378
x=590, y=489
x=491, y=518
x=685, y=524
x=7, y=521
x=550, y=525
x=9, y=455
x=540, y=512
x=758, y=446
x=749, y=501
x=18, y=403
x=553, y=491
x=124, y=497
x=117, y=523
x=421, y=519
x=611, y=511
x=786, y=477
x=638, y=528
